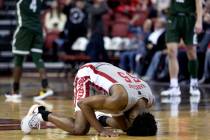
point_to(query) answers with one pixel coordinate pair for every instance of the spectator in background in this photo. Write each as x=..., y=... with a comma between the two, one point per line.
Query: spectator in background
x=55, y=19
x=205, y=44
x=54, y=22
x=1, y=4
x=128, y=58
x=156, y=48
x=63, y=3
x=206, y=74
x=95, y=48
x=75, y=27
x=143, y=10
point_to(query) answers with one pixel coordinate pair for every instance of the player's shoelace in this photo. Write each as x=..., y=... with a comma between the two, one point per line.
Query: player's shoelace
x=34, y=122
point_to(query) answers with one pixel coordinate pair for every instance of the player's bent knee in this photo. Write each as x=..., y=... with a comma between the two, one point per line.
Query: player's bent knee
x=18, y=60
x=172, y=49
x=37, y=59
x=81, y=128
x=172, y=53
x=79, y=131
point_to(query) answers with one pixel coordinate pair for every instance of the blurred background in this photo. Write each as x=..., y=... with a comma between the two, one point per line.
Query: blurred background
x=128, y=33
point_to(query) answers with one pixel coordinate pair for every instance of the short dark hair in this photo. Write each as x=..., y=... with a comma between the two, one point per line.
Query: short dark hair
x=143, y=125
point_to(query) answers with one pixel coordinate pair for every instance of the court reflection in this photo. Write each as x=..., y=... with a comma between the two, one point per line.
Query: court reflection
x=194, y=102
x=174, y=102
x=178, y=118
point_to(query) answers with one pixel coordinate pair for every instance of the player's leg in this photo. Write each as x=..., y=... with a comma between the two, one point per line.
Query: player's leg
x=37, y=59
x=38, y=114
x=46, y=91
x=173, y=63
x=17, y=73
x=172, y=39
x=36, y=53
x=192, y=61
x=20, y=47
x=173, y=70
x=190, y=40
x=193, y=70
x=77, y=126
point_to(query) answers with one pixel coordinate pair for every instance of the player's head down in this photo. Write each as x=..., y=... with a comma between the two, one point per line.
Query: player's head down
x=143, y=125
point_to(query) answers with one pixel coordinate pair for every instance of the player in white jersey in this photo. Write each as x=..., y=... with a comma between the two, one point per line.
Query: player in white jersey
x=109, y=89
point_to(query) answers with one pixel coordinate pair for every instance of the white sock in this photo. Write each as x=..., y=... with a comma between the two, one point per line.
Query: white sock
x=193, y=81
x=174, y=82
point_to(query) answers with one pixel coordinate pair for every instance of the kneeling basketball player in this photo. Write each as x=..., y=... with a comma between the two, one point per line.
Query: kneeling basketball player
x=106, y=88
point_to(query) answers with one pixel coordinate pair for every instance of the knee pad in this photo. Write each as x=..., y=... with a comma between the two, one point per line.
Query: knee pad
x=18, y=60
x=37, y=59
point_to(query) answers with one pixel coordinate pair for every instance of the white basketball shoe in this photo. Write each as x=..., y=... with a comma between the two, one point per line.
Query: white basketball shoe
x=32, y=120
x=194, y=90
x=172, y=91
x=44, y=94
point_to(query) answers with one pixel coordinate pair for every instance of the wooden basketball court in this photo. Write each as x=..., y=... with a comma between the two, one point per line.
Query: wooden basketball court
x=179, y=118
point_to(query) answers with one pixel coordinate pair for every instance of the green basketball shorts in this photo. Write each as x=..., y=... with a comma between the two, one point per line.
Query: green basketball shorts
x=181, y=27
x=26, y=41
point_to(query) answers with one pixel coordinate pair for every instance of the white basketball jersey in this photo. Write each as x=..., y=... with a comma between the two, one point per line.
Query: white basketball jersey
x=105, y=75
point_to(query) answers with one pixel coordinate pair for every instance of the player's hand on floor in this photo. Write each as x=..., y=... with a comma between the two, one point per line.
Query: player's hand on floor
x=108, y=133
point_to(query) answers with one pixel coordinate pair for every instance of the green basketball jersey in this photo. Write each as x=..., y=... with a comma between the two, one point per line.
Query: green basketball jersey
x=28, y=12
x=182, y=6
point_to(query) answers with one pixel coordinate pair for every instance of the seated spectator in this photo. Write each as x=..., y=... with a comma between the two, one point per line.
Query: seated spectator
x=206, y=74
x=75, y=27
x=63, y=3
x=156, y=48
x=1, y=4
x=54, y=23
x=128, y=58
x=143, y=10
x=113, y=3
x=95, y=48
x=204, y=44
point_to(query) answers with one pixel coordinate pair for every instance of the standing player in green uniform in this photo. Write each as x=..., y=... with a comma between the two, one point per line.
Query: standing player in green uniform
x=184, y=22
x=28, y=39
